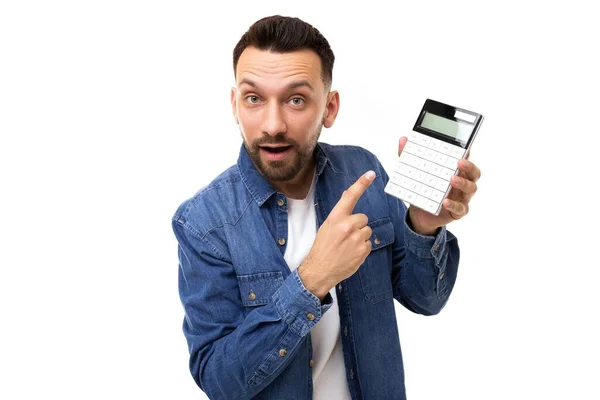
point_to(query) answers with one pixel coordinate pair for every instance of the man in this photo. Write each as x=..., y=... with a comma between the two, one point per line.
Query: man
x=291, y=259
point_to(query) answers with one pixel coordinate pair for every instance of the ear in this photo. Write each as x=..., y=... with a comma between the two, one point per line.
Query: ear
x=331, y=108
x=234, y=104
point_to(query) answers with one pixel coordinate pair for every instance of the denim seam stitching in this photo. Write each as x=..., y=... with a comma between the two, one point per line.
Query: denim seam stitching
x=226, y=182
x=214, y=248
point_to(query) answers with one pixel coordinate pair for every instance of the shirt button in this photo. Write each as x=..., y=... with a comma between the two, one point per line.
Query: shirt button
x=310, y=363
x=252, y=296
x=436, y=247
x=281, y=241
x=351, y=374
x=280, y=202
x=377, y=241
x=346, y=330
x=442, y=275
x=340, y=287
x=282, y=352
x=310, y=316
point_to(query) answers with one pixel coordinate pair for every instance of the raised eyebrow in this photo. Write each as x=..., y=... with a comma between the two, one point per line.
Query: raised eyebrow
x=293, y=85
x=248, y=82
x=297, y=84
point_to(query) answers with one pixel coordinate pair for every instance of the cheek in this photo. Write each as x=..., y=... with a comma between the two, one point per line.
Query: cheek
x=306, y=122
x=249, y=121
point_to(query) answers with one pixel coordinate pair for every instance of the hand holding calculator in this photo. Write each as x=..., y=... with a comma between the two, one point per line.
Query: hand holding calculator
x=441, y=136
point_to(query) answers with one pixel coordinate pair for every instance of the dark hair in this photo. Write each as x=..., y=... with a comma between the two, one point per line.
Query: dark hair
x=286, y=34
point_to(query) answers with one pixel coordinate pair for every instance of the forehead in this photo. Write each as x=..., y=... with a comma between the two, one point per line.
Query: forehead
x=268, y=68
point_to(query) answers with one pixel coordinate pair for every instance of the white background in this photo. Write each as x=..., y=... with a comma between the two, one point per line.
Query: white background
x=113, y=112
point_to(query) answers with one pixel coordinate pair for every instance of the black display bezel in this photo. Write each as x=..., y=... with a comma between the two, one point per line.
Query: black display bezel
x=448, y=112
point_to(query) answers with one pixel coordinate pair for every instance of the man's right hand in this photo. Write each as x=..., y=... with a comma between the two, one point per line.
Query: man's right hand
x=342, y=243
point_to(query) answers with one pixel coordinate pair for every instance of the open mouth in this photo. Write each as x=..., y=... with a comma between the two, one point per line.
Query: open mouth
x=276, y=153
x=275, y=150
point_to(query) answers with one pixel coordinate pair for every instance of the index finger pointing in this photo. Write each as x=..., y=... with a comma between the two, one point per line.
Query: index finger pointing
x=351, y=195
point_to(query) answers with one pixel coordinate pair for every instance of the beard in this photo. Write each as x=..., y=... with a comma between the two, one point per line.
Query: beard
x=287, y=169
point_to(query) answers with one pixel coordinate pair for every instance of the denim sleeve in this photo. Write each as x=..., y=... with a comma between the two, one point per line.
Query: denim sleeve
x=424, y=268
x=236, y=353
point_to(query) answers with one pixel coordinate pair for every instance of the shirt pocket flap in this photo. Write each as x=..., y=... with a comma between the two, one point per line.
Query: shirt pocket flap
x=257, y=289
x=382, y=233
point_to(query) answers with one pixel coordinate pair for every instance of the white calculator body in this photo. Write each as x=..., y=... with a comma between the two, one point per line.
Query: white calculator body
x=441, y=136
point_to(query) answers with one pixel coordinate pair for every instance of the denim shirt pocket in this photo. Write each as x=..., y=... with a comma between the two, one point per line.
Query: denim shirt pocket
x=258, y=289
x=375, y=272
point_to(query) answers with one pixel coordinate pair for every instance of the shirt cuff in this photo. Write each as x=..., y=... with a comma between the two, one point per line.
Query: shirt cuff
x=425, y=247
x=298, y=306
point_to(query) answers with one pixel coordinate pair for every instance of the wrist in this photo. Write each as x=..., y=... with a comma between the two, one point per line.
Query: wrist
x=420, y=228
x=314, y=281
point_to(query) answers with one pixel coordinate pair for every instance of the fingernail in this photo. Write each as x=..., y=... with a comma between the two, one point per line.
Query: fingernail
x=370, y=175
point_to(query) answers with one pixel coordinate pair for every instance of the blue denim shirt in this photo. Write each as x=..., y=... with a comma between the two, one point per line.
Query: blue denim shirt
x=246, y=313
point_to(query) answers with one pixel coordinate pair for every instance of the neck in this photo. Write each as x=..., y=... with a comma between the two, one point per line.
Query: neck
x=298, y=187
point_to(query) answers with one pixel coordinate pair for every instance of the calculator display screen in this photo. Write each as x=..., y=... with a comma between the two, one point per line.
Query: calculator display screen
x=458, y=130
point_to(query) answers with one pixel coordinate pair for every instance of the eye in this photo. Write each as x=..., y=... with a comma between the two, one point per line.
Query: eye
x=252, y=99
x=297, y=101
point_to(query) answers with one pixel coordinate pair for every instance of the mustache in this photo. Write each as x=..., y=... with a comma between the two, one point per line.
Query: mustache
x=277, y=139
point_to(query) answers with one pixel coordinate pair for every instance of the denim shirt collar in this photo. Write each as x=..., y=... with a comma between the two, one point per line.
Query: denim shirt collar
x=257, y=185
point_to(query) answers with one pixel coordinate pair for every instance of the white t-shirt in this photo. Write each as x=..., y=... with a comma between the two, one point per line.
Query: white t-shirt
x=328, y=371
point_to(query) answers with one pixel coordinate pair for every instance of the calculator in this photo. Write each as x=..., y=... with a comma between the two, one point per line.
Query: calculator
x=441, y=136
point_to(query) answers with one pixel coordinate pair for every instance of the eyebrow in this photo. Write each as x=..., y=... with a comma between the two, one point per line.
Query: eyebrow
x=293, y=85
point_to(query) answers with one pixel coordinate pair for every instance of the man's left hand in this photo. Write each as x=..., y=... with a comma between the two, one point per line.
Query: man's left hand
x=455, y=206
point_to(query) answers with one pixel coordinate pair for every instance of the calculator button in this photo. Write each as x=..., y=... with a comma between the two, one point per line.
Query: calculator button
x=436, y=170
x=426, y=191
x=415, y=186
x=430, y=154
x=410, y=184
x=411, y=172
x=435, y=144
x=432, y=206
x=401, y=192
x=419, y=151
x=452, y=163
x=421, y=176
x=442, y=185
x=440, y=159
x=403, y=181
x=410, y=196
x=392, y=189
x=424, y=165
x=423, y=140
x=436, y=195
x=447, y=173
x=457, y=152
x=413, y=137
x=401, y=168
x=414, y=161
x=446, y=148
x=404, y=157
x=421, y=202
x=409, y=147
x=431, y=180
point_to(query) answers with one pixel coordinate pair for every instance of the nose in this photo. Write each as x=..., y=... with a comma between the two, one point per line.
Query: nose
x=273, y=121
